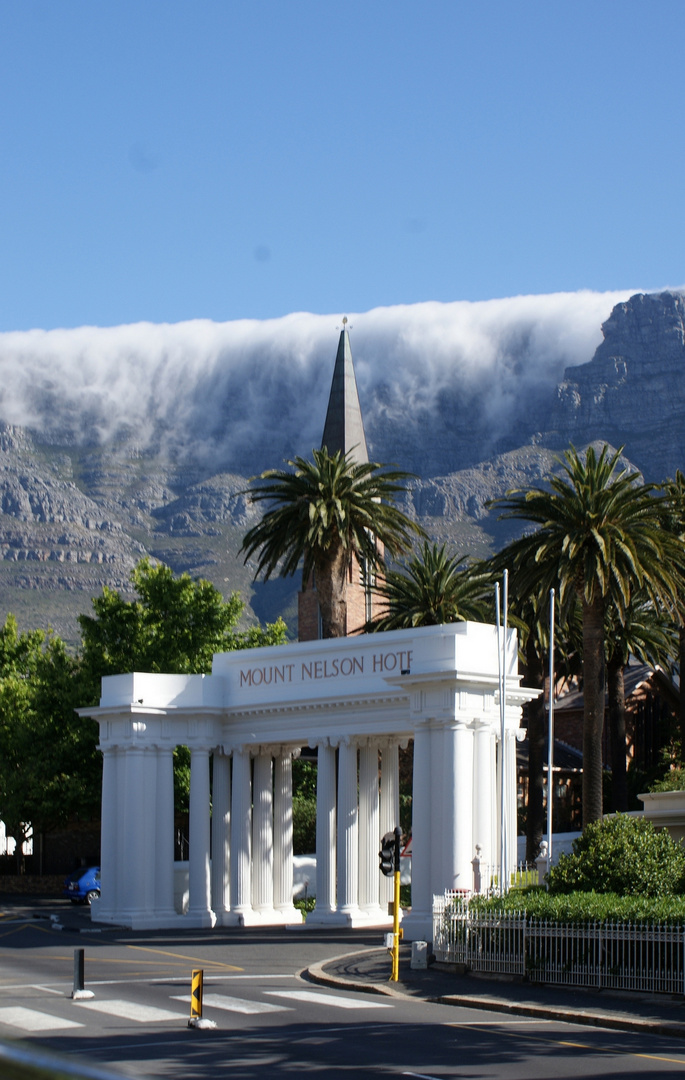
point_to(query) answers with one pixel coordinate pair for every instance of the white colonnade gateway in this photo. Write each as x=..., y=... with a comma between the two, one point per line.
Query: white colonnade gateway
x=355, y=699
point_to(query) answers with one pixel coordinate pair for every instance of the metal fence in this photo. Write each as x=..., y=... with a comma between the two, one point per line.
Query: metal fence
x=616, y=955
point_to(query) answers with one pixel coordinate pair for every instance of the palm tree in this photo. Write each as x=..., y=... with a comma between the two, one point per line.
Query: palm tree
x=674, y=490
x=648, y=635
x=599, y=539
x=326, y=513
x=433, y=588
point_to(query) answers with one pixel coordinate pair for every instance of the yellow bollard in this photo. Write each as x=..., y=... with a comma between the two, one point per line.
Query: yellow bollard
x=396, y=931
x=196, y=997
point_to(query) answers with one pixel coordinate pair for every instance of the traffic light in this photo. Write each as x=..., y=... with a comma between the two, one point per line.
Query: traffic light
x=387, y=854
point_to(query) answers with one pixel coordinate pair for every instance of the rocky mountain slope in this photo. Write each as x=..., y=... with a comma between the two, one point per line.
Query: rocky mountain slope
x=82, y=500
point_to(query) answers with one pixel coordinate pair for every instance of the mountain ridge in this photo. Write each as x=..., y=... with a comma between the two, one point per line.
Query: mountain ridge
x=77, y=512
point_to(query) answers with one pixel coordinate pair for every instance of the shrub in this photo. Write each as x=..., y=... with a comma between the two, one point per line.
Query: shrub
x=582, y=907
x=673, y=780
x=304, y=825
x=623, y=855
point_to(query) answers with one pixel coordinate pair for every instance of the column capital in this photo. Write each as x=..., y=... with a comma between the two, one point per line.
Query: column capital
x=324, y=742
x=389, y=742
x=236, y=749
x=344, y=740
x=279, y=750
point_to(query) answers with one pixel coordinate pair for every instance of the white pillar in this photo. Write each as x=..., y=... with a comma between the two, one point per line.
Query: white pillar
x=389, y=807
x=111, y=837
x=135, y=878
x=484, y=796
x=418, y=924
x=439, y=798
x=221, y=834
x=163, y=845
x=241, y=836
x=458, y=832
x=326, y=828
x=199, y=909
x=263, y=836
x=348, y=840
x=283, y=838
x=369, y=832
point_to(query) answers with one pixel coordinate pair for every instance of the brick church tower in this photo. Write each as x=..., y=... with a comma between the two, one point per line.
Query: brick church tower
x=343, y=430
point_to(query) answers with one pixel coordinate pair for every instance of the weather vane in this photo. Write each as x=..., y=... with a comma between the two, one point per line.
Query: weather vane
x=344, y=324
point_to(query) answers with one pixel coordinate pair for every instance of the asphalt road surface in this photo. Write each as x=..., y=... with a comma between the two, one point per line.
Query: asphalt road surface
x=270, y=1022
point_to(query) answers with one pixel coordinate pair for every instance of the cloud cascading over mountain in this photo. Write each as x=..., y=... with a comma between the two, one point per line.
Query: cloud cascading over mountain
x=245, y=395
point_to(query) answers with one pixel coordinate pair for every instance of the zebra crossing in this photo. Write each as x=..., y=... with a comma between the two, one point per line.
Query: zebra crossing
x=36, y=1021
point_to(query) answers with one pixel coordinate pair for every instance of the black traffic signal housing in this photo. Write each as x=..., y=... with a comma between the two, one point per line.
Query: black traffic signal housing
x=387, y=855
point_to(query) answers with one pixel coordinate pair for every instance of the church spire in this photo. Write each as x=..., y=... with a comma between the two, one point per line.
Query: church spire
x=344, y=427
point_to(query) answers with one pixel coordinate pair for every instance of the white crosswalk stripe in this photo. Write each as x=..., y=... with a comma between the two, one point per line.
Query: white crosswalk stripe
x=234, y=1004
x=129, y=1010
x=33, y=1020
x=36, y=1021
x=319, y=998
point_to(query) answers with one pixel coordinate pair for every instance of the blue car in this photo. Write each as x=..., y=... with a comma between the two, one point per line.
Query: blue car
x=83, y=886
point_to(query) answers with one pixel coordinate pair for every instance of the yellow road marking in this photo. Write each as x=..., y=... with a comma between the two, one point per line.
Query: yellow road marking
x=581, y=1046
x=186, y=959
x=609, y=1050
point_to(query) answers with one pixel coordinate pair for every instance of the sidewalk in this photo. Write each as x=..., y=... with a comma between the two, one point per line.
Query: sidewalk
x=369, y=971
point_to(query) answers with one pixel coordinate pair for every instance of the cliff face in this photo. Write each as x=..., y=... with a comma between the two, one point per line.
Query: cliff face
x=632, y=392
x=74, y=517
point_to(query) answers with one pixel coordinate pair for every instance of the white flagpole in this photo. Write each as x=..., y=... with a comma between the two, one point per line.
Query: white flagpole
x=550, y=734
x=501, y=747
x=505, y=786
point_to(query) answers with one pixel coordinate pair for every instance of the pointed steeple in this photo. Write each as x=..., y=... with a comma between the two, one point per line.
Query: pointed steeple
x=344, y=427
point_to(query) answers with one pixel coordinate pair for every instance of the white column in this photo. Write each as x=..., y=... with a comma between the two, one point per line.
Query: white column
x=418, y=924
x=389, y=808
x=134, y=879
x=221, y=834
x=283, y=838
x=163, y=845
x=199, y=909
x=326, y=828
x=484, y=793
x=112, y=881
x=348, y=840
x=369, y=832
x=241, y=836
x=263, y=836
x=458, y=832
x=148, y=826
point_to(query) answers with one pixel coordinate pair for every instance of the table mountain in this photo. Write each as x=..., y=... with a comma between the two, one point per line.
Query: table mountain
x=86, y=490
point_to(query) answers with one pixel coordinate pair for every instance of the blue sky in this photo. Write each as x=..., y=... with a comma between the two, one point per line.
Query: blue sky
x=229, y=159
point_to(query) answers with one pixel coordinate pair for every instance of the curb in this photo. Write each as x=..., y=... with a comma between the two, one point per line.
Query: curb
x=317, y=973
x=675, y=1028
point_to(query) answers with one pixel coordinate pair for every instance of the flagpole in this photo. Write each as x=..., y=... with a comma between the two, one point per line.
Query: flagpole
x=501, y=667
x=550, y=733
x=501, y=754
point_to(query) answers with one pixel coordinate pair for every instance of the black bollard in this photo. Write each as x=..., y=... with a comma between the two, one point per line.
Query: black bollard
x=79, y=969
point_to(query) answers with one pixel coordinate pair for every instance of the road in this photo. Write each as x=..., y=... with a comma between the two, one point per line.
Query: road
x=270, y=1022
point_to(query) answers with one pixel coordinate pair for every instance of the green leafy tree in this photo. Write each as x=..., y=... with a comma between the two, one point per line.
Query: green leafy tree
x=49, y=767
x=623, y=855
x=674, y=492
x=599, y=540
x=174, y=625
x=432, y=588
x=325, y=514
x=651, y=637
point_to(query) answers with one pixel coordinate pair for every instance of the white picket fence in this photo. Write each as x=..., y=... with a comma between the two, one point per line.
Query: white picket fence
x=615, y=955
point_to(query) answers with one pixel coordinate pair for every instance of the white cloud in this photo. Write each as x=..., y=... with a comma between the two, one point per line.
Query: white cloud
x=245, y=391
